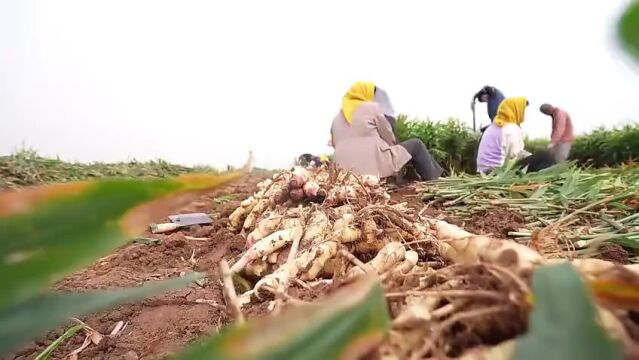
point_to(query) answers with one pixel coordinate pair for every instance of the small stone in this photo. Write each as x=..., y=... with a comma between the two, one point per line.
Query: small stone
x=131, y=355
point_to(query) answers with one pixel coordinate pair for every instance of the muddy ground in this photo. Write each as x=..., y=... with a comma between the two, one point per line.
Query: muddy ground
x=160, y=325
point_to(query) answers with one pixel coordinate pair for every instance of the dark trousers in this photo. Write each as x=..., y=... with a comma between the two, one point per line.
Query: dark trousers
x=422, y=160
x=537, y=161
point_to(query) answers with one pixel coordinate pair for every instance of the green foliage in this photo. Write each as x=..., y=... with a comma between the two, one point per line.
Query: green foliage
x=536, y=145
x=48, y=231
x=607, y=147
x=544, y=197
x=451, y=142
x=628, y=29
x=454, y=144
x=44, y=355
x=349, y=323
x=563, y=324
x=26, y=167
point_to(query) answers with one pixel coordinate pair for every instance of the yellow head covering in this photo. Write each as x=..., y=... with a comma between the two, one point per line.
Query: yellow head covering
x=511, y=111
x=358, y=94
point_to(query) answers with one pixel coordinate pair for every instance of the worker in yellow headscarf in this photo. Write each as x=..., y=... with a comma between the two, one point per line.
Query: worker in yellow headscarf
x=511, y=111
x=363, y=139
x=360, y=93
x=503, y=139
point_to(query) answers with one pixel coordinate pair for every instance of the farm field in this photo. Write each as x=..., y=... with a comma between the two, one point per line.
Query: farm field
x=482, y=301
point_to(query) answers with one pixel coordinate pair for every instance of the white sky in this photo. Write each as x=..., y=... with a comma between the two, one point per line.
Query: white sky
x=205, y=81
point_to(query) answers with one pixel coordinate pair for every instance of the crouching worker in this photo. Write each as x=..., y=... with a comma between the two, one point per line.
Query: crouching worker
x=312, y=160
x=504, y=140
x=363, y=138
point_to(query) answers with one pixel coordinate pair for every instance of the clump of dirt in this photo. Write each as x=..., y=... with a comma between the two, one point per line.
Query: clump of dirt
x=160, y=325
x=408, y=195
x=614, y=253
x=497, y=222
x=258, y=309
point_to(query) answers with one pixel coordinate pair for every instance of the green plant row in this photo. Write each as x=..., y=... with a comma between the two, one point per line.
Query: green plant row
x=454, y=144
x=26, y=167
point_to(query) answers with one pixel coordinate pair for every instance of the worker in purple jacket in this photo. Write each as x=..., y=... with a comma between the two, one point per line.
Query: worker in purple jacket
x=490, y=95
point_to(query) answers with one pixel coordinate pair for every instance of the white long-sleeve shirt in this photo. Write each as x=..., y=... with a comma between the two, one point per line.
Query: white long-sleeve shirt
x=499, y=144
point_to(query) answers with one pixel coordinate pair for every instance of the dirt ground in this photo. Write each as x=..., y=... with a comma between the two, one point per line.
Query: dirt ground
x=160, y=325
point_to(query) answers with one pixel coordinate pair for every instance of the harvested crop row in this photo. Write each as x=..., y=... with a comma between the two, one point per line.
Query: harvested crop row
x=449, y=291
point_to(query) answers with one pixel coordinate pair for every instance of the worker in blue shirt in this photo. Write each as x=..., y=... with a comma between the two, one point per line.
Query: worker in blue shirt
x=492, y=96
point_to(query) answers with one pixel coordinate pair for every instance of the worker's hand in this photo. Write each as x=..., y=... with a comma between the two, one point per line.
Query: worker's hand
x=550, y=146
x=330, y=143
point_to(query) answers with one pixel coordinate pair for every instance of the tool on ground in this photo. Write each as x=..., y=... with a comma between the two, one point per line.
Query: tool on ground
x=180, y=220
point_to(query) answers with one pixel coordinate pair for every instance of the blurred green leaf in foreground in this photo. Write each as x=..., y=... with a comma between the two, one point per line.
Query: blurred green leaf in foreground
x=347, y=325
x=47, y=232
x=629, y=29
x=563, y=324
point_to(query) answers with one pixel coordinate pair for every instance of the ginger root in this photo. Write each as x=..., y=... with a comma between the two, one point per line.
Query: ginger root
x=316, y=228
x=236, y=219
x=268, y=245
x=257, y=211
x=297, y=194
x=276, y=280
x=264, y=228
x=388, y=257
x=501, y=252
x=450, y=231
x=299, y=176
x=312, y=261
x=311, y=189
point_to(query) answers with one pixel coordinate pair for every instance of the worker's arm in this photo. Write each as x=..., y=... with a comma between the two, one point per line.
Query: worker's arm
x=392, y=121
x=559, y=127
x=384, y=129
x=514, y=143
x=331, y=142
x=486, y=90
x=479, y=93
x=483, y=91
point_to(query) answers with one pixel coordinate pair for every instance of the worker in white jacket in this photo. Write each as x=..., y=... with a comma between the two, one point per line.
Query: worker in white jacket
x=504, y=139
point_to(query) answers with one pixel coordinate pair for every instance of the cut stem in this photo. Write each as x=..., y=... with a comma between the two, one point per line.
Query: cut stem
x=229, y=292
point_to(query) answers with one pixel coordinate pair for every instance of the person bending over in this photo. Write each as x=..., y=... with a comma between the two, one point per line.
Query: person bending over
x=562, y=132
x=492, y=97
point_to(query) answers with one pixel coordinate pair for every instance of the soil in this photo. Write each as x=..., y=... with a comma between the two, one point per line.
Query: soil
x=614, y=253
x=497, y=222
x=408, y=195
x=159, y=325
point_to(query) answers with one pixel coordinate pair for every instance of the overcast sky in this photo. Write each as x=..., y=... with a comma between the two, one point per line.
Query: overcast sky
x=205, y=81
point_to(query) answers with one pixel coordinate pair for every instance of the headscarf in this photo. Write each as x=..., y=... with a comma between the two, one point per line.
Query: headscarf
x=511, y=111
x=358, y=94
x=381, y=97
